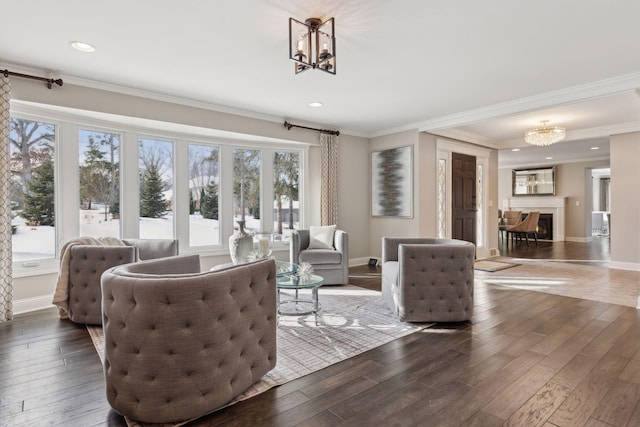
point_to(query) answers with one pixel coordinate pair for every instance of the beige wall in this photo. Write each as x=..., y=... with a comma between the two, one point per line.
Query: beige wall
x=387, y=226
x=35, y=291
x=571, y=183
x=625, y=201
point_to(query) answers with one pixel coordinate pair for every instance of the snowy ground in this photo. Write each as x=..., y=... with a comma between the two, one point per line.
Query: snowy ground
x=31, y=243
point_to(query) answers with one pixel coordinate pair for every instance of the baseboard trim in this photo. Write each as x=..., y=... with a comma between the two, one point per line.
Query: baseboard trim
x=617, y=265
x=31, y=304
x=353, y=262
x=579, y=239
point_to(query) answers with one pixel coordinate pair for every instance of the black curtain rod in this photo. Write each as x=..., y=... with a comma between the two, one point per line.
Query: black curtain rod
x=49, y=82
x=330, y=132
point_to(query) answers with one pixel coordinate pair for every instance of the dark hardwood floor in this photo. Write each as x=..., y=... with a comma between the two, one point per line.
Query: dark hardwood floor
x=598, y=249
x=526, y=359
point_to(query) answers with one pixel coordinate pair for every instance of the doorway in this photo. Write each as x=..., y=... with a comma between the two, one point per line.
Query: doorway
x=463, y=197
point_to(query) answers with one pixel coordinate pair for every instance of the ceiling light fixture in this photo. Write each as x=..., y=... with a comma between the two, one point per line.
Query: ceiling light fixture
x=316, y=104
x=312, y=44
x=545, y=135
x=595, y=148
x=515, y=149
x=82, y=46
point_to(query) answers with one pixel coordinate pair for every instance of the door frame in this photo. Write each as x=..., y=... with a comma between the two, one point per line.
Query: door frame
x=444, y=150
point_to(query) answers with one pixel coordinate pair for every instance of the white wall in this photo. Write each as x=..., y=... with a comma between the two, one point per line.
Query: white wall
x=34, y=292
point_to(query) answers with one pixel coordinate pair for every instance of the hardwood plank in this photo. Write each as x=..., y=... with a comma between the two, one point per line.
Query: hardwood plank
x=618, y=404
x=580, y=404
x=567, y=351
x=483, y=419
x=539, y=408
x=513, y=396
x=574, y=372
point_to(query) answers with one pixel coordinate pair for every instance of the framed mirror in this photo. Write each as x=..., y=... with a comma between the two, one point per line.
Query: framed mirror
x=534, y=181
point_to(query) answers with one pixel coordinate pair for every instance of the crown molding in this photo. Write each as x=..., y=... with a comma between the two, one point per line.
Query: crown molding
x=473, y=138
x=598, y=89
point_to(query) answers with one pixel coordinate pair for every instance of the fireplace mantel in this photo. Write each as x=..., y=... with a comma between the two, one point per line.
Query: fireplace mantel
x=552, y=205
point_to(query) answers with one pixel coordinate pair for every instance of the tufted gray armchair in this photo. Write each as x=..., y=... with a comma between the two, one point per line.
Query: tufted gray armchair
x=87, y=263
x=332, y=264
x=428, y=280
x=179, y=343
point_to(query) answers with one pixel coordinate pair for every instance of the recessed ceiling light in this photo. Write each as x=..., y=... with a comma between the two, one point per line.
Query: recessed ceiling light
x=595, y=148
x=515, y=149
x=548, y=158
x=82, y=46
x=316, y=104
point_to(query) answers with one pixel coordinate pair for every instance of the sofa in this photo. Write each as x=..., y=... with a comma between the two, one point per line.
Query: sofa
x=428, y=280
x=180, y=343
x=331, y=262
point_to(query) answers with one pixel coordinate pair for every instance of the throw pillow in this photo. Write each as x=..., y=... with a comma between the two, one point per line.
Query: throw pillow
x=321, y=237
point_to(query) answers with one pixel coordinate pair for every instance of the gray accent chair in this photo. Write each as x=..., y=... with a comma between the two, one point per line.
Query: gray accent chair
x=180, y=343
x=332, y=264
x=153, y=248
x=428, y=280
x=86, y=265
x=88, y=262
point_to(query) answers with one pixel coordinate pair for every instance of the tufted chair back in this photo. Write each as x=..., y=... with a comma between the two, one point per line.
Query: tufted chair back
x=428, y=280
x=86, y=265
x=180, y=343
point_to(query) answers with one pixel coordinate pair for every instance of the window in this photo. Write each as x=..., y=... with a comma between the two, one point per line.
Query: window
x=99, y=175
x=204, y=192
x=155, y=163
x=246, y=187
x=32, y=189
x=110, y=178
x=286, y=184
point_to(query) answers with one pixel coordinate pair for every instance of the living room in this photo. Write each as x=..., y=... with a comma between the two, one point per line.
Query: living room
x=161, y=108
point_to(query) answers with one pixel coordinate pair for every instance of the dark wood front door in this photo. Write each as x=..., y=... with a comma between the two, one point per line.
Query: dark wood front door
x=463, y=171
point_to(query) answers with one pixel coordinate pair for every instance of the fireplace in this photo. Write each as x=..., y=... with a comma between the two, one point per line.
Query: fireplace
x=545, y=226
x=554, y=207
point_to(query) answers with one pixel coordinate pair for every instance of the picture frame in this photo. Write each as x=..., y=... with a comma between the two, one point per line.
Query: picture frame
x=392, y=182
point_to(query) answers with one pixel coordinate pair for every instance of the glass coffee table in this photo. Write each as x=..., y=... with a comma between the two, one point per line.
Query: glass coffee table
x=298, y=305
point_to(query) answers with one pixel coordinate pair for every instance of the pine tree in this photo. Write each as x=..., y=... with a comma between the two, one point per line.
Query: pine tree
x=209, y=202
x=152, y=201
x=192, y=204
x=39, y=203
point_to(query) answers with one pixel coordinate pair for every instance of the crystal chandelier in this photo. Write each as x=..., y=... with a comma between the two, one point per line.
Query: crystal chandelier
x=312, y=44
x=545, y=135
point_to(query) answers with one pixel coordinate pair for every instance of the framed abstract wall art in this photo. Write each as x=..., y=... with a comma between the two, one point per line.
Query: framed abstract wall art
x=392, y=182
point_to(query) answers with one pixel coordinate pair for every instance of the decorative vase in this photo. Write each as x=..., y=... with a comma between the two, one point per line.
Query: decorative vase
x=240, y=244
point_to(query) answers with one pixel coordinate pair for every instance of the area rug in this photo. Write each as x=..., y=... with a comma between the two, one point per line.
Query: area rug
x=491, y=266
x=351, y=321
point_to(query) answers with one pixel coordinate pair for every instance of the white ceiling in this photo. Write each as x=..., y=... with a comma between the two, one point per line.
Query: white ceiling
x=483, y=70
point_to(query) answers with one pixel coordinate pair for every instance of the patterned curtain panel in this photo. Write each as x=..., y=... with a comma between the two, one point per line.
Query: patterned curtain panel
x=329, y=188
x=6, y=285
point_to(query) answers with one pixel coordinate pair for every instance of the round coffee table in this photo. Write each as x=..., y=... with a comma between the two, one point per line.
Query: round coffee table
x=299, y=306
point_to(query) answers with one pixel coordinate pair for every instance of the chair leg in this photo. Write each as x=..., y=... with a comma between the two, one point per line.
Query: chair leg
x=526, y=237
x=535, y=236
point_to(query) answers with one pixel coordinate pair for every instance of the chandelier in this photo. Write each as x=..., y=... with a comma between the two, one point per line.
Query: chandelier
x=312, y=44
x=545, y=135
